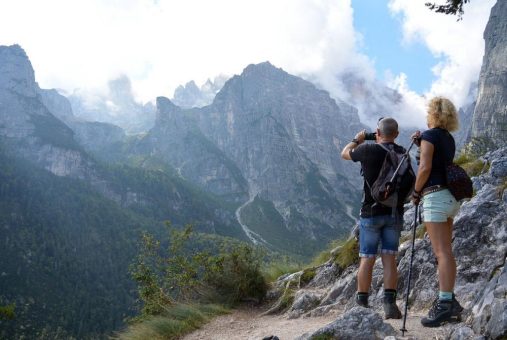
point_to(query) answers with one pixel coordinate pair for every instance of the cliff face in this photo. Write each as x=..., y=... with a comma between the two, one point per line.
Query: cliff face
x=490, y=116
x=26, y=123
x=177, y=140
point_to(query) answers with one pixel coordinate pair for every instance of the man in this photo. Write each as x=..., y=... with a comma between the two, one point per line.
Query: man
x=377, y=223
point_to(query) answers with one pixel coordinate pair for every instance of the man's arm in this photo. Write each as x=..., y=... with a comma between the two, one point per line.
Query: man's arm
x=358, y=139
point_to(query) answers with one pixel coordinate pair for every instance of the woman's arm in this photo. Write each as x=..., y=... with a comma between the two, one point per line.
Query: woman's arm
x=424, y=171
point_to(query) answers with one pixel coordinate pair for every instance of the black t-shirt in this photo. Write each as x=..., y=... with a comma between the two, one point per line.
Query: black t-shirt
x=443, y=154
x=371, y=156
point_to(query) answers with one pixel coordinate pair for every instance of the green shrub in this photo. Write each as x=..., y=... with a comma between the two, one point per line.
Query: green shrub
x=227, y=272
x=235, y=275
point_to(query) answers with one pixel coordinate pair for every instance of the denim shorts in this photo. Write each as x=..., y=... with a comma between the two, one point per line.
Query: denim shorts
x=439, y=206
x=384, y=230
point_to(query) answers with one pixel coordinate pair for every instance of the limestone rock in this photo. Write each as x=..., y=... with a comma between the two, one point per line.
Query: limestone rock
x=357, y=323
x=304, y=301
x=490, y=116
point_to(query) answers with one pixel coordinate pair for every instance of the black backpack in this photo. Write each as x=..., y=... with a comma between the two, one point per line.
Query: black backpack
x=395, y=181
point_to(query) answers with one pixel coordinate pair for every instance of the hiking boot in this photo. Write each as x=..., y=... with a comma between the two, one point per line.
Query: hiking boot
x=391, y=310
x=440, y=313
x=362, y=299
x=456, y=307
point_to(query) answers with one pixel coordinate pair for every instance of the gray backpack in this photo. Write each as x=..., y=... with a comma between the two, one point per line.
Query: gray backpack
x=396, y=178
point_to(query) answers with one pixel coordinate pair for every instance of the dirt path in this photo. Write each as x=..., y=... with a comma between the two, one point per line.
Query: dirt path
x=247, y=324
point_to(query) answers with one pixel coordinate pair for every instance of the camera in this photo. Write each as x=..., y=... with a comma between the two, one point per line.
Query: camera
x=370, y=136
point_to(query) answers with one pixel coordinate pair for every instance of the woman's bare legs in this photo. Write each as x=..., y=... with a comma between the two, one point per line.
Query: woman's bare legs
x=440, y=234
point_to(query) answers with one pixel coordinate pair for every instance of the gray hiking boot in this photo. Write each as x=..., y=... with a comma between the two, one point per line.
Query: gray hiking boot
x=362, y=299
x=391, y=310
x=440, y=313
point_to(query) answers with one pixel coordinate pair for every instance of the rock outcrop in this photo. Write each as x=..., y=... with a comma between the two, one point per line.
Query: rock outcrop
x=490, y=116
x=359, y=323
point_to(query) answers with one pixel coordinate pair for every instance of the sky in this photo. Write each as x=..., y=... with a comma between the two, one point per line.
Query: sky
x=160, y=44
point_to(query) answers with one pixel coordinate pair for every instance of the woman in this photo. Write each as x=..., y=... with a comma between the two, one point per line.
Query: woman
x=437, y=149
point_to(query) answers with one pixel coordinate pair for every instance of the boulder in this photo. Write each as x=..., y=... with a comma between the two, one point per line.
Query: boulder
x=358, y=323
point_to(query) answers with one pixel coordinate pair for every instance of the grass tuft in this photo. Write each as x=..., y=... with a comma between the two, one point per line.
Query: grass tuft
x=174, y=322
x=347, y=254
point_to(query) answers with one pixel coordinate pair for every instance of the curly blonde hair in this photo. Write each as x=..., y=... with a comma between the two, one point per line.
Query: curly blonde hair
x=442, y=113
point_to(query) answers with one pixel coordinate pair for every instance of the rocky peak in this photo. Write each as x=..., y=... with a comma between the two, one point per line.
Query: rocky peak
x=165, y=110
x=190, y=95
x=16, y=72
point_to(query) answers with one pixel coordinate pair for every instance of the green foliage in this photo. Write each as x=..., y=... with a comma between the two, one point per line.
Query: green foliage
x=347, y=254
x=227, y=274
x=7, y=312
x=177, y=282
x=453, y=7
x=173, y=322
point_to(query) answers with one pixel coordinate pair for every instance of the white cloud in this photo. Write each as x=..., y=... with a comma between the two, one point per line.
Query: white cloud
x=161, y=44
x=460, y=44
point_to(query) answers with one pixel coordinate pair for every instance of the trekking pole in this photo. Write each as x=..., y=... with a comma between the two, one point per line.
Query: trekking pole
x=403, y=329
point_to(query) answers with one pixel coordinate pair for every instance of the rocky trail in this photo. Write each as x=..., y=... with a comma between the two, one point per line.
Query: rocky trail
x=250, y=324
